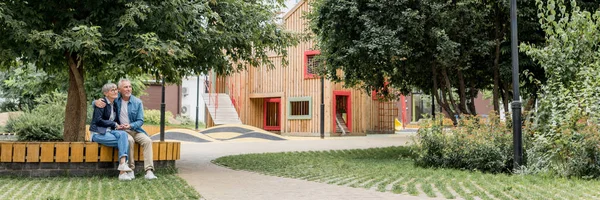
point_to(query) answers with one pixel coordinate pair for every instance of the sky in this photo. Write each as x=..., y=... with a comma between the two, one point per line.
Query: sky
x=289, y=5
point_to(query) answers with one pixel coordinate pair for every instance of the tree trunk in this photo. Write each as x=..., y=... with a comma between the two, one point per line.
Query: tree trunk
x=440, y=99
x=530, y=103
x=449, y=91
x=75, y=112
x=462, y=94
x=505, y=97
x=496, y=70
x=473, y=95
x=496, y=67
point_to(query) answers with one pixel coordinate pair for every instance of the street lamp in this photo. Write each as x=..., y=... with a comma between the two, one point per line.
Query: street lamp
x=516, y=104
x=197, y=98
x=162, y=111
x=322, y=106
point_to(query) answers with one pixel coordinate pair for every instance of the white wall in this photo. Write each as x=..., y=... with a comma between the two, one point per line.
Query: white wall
x=189, y=99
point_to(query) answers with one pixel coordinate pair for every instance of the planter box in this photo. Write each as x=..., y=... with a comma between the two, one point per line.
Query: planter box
x=75, y=158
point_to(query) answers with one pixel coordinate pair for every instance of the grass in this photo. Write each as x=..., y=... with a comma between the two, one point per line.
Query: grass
x=167, y=186
x=391, y=170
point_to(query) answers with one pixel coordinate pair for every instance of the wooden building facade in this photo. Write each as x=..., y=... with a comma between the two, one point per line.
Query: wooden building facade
x=288, y=99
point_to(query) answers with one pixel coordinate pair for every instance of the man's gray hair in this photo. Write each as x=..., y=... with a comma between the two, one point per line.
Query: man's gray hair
x=107, y=87
x=122, y=80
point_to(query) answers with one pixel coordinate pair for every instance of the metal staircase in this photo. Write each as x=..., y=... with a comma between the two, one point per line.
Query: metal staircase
x=341, y=124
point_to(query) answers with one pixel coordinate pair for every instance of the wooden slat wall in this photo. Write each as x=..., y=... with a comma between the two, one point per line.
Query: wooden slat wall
x=290, y=82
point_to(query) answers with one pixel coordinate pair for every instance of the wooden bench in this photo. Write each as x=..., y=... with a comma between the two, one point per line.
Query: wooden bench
x=75, y=158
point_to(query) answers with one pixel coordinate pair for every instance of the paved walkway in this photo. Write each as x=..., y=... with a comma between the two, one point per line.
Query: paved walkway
x=218, y=183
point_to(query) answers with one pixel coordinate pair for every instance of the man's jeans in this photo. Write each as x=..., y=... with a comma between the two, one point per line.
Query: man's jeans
x=146, y=144
x=114, y=138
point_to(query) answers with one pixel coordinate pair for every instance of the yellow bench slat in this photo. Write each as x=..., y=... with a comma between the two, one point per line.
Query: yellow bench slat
x=6, y=154
x=76, y=151
x=18, y=152
x=106, y=154
x=91, y=152
x=62, y=152
x=162, y=151
x=33, y=152
x=47, y=152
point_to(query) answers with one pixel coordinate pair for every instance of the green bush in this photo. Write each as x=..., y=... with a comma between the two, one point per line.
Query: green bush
x=9, y=106
x=473, y=145
x=153, y=117
x=565, y=136
x=574, y=152
x=43, y=123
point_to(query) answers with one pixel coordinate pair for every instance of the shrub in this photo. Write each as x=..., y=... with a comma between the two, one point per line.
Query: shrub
x=9, y=106
x=473, y=145
x=153, y=116
x=572, y=153
x=565, y=137
x=43, y=123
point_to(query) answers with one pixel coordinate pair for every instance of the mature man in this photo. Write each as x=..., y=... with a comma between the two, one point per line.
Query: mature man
x=131, y=116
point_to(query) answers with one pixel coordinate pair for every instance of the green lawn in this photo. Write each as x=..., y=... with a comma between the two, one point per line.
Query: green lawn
x=165, y=187
x=390, y=170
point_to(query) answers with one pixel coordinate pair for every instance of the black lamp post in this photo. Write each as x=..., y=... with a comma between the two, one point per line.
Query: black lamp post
x=322, y=107
x=516, y=104
x=162, y=112
x=197, y=99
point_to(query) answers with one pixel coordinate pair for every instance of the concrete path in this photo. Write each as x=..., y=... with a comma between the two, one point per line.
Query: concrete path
x=218, y=183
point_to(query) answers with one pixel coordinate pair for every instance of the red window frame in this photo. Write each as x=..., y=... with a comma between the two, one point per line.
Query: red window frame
x=306, y=55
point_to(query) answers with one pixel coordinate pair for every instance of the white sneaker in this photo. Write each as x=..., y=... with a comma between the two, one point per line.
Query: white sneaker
x=131, y=175
x=124, y=177
x=150, y=175
x=124, y=167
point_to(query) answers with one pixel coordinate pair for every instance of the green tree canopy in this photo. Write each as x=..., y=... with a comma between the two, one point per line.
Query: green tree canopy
x=169, y=38
x=459, y=46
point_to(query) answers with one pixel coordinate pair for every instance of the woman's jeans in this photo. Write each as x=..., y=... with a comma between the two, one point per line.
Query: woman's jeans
x=114, y=138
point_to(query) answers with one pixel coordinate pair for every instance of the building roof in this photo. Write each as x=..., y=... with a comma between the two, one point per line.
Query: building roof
x=294, y=9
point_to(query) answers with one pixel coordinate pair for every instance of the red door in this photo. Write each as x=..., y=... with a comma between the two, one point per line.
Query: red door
x=272, y=114
x=342, y=109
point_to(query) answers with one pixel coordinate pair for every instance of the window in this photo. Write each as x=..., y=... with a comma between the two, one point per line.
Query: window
x=310, y=64
x=299, y=108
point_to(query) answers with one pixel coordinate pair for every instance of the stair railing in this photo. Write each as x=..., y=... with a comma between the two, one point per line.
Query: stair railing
x=233, y=98
x=339, y=124
x=207, y=85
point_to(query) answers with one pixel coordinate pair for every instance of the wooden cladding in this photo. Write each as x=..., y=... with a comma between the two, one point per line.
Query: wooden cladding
x=79, y=152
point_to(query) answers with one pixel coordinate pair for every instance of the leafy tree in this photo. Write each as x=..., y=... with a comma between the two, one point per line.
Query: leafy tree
x=571, y=60
x=427, y=45
x=566, y=132
x=23, y=83
x=168, y=38
x=457, y=47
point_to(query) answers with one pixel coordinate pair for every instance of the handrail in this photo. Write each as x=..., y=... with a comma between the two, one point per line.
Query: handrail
x=340, y=125
x=207, y=85
x=233, y=98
